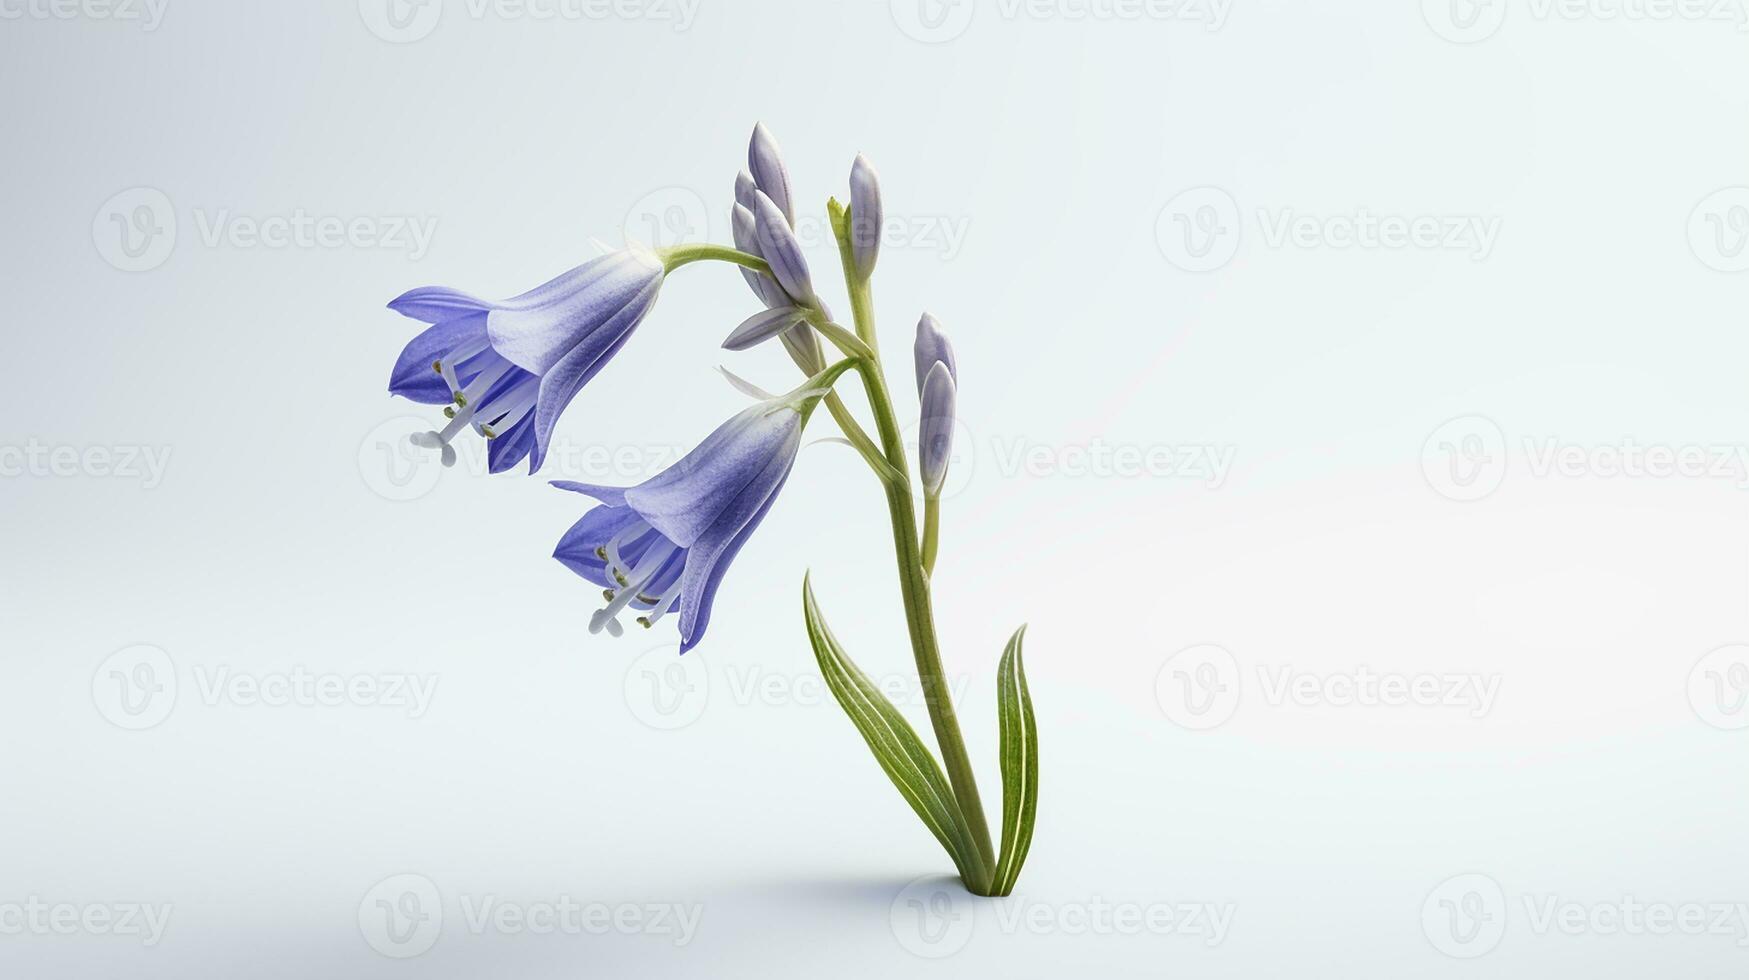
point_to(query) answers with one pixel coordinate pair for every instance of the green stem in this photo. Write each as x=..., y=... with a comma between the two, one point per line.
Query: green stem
x=679, y=255
x=931, y=531
x=914, y=578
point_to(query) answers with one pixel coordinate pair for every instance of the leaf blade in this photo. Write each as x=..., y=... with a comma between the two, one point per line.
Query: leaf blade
x=1019, y=741
x=896, y=747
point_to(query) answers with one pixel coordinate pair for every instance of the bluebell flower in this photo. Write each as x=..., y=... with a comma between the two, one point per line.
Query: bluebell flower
x=509, y=369
x=937, y=389
x=665, y=544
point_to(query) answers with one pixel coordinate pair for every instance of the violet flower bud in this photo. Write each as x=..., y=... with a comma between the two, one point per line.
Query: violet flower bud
x=778, y=246
x=938, y=389
x=865, y=215
x=766, y=165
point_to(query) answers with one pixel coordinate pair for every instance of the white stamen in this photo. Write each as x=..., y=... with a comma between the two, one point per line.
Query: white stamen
x=664, y=604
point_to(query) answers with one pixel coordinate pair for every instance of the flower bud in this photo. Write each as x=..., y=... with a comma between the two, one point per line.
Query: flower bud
x=769, y=173
x=865, y=215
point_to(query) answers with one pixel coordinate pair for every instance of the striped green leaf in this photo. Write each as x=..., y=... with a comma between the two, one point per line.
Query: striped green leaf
x=901, y=754
x=1019, y=765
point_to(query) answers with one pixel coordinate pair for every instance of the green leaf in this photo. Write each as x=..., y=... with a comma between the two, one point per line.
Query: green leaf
x=1019, y=765
x=903, y=756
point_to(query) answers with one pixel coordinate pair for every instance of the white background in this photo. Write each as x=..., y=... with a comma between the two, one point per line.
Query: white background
x=1357, y=532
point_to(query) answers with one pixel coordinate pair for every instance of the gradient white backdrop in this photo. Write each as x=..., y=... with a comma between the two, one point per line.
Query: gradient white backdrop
x=1352, y=402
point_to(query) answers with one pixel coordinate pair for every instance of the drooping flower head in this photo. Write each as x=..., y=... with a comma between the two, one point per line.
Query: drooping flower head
x=665, y=544
x=937, y=389
x=508, y=369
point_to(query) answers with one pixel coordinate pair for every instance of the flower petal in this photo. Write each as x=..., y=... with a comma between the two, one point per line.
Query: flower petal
x=772, y=177
x=777, y=243
x=935, y=430
x=538, y=329
x=709, y=560
x=435, y=304
x=932, y=346
x=576, y=550
x=611, y=496
x=865, y=215
x=685, y=500
x=746, y=232
x=762, y=326
x=561, y=383
x=413, y=376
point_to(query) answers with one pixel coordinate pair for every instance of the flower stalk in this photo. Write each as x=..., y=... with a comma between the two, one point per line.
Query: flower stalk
x=913, y=572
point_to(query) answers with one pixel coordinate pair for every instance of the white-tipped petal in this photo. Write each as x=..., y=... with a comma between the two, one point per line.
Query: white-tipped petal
x=746, y=387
